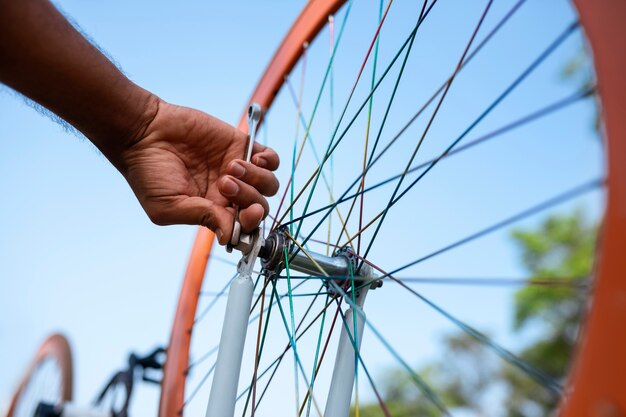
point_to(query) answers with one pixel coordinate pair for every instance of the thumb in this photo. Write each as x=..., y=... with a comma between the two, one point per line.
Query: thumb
x=203, y=212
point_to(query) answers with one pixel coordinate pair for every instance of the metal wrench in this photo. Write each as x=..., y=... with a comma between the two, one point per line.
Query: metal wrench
x=254, y=115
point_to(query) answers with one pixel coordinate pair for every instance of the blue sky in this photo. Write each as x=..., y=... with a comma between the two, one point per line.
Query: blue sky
x=78, y=255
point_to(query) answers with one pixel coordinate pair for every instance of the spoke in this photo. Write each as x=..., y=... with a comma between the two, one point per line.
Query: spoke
x=317, y=159
x=311, y=294
x=212, y=304
x=331, y=145
x=410, y=122
x=381, y=402
x=380, y=130
x=570, y=282
x=543, y=56
x=367, y=133
x=202, y=359
x=315, y=174
x=547, y=52
x=331, y=100
x=538, y=376
x=354, y=341
x=543, y=112
x=321, y=242
x=259, y=298
x=278, y=360
x=357, y=357
x=428, y=126
x=197, y=388
x=326, y=343
x=259, y=348
x=582, y=283
x=259, y=352
x=559, y=199
x=319, y=96
x=424, y=388
x=222, y=259
x=292, y=341
x=292, y=178
x=225, y=294
x=315, y=360
x=326, y=76
x=293, y=330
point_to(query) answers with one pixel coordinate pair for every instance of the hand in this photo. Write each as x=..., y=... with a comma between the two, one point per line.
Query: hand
x=186, y=168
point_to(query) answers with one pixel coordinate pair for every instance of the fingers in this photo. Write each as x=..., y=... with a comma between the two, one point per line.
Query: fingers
x=261, y=179
x=241, y=194
x=200, y=211
x=247, y=183
x=264, y=157
x=197, y=211
x=251, y=217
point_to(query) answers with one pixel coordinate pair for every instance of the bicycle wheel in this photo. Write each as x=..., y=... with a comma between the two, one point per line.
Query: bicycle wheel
x=48, y=378
x=317, y=188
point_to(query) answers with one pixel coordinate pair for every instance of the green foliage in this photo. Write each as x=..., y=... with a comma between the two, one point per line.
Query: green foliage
x=460, y=354
x=561, y=248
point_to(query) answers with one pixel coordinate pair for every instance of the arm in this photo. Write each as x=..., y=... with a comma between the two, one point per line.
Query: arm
x=181, y=163
x=46, y=59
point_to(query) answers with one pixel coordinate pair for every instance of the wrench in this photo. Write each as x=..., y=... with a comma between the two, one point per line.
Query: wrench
x=254, y=115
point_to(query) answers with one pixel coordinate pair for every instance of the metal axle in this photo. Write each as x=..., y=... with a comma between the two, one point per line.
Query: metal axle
x=338, y=267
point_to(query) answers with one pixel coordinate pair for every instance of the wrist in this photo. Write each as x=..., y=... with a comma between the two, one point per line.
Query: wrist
x=127, y=124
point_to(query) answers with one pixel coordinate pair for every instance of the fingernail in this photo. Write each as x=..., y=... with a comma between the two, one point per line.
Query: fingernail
x=237, y=170
x=261, y=162
x=219, y=234
x=230, y=188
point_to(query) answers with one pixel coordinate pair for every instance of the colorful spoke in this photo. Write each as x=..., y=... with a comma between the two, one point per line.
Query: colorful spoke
x=315, y=359
x=428, y=126
x=424, y=388
x=540, y=377
x=559, y=199
x=292, y=341
x=547, y=52
x=212, y=304
x=327, y=183
x=380, y=130
x=315, y=175
x=332, y=146
x=543, y=112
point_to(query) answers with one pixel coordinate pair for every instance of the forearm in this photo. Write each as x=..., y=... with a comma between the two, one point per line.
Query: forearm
x=43, y=57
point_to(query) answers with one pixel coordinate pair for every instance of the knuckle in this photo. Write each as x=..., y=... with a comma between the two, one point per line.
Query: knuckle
x=207, y=219
x=157, y=217
x=273, y=187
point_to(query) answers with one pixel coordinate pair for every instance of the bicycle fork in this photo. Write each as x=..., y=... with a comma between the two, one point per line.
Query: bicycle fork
x=338, y=269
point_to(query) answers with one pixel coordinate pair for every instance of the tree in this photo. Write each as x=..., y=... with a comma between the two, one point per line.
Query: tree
x=459, y=357
x=562, y=247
